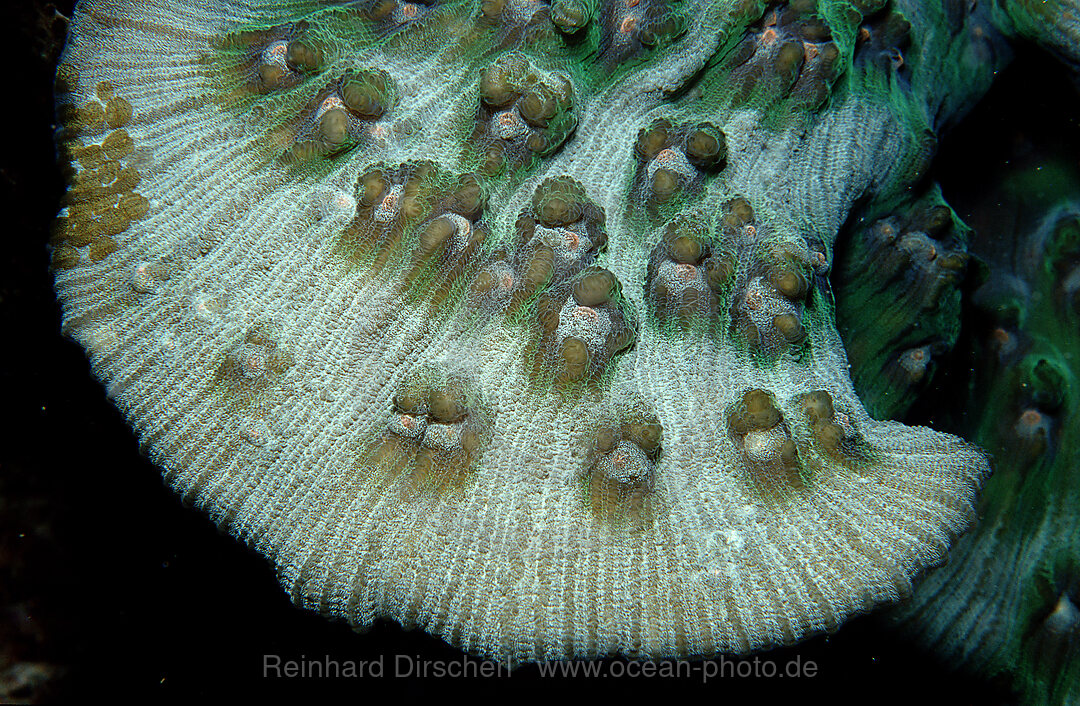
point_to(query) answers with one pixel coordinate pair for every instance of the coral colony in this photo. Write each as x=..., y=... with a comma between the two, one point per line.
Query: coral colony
x=512, y=320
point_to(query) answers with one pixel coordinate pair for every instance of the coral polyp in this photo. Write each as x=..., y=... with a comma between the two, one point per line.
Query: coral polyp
x=512, y=320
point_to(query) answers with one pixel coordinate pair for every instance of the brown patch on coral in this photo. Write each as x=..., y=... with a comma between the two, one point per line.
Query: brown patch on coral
x=674, y=160
x=629, y=29
x=787, y=54
x=558, y=235
x=770, y=293
x=767, y=451
x=270, y=60
x=251, y=367
x=425, y=218
x=834, y=433
x=434, y=438
x=580, y=327
x=617, y=484
x=101, y=201
x=339, y=117
x=523, y=113
x=688, y=274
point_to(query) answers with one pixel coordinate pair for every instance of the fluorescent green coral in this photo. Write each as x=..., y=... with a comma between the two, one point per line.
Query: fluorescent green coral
x=898, y=305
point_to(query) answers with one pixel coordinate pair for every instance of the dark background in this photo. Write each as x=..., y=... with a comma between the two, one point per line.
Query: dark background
x=109, y=587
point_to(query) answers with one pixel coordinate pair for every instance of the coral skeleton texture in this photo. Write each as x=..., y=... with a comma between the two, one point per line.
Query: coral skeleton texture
x=512, y=320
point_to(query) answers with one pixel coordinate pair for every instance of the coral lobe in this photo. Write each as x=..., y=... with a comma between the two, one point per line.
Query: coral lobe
x=519, y=309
